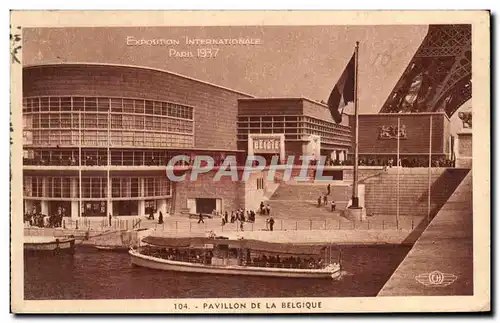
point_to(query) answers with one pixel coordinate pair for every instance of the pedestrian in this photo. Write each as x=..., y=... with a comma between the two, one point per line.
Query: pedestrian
x=319, y=201
x=268, y=209
x=200, y=218
x=267, y=224
x=325, y=200
x=160, y=218
x=333, y=206
x=261, y=208
x=328, y=189
x=271, y=223
x=225, y=217
x=109, y=218
x=241, y=225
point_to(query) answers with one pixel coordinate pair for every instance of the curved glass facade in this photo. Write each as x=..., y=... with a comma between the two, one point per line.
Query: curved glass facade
x=92, y=121
x=135, y=132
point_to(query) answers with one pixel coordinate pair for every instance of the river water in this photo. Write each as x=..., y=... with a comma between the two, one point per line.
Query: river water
x=93, y=274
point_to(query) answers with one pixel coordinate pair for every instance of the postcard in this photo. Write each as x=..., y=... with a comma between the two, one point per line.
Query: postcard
x=222, y=162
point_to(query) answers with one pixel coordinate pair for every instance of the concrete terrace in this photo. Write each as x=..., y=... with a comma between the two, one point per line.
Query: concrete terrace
x=445, y=246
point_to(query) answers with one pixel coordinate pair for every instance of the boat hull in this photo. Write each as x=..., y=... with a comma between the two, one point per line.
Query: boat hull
x=55, y=246
x=170, y=265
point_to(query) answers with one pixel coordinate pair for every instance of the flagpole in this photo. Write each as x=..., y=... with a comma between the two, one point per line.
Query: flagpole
x=397, y=162
x=429, y=172
x=108, y=175
x=355, y=198
x=80, y=163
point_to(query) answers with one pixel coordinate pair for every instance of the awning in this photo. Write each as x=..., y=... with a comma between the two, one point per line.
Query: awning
x=255, y=245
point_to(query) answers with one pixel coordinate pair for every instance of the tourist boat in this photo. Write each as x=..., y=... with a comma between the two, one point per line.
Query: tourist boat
x=111, y=248
x=235, y=257
x=42, y=244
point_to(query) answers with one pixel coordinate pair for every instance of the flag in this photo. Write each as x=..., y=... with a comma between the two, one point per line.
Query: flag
x=343, y=91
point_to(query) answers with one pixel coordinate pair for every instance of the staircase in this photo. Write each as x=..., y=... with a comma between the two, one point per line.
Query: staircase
x=381, y=191
x=299, y=201
x=310, y=192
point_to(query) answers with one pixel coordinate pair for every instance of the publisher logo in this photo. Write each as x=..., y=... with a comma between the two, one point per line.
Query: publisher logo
x=436, y=279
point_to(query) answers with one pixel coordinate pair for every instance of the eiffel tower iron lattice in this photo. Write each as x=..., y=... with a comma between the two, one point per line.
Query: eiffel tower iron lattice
x=438, y=78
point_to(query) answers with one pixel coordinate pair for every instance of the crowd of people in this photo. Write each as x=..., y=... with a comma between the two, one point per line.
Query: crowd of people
x=390, y=162
x=287, y=262
x=243, y=216
x=40, y=220
x=205, y=257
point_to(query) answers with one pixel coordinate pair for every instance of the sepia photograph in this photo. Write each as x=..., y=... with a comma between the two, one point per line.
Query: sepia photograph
x=230, y=162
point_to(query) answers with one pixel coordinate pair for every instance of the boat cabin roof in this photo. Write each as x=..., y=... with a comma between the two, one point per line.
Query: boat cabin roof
x=255, y=245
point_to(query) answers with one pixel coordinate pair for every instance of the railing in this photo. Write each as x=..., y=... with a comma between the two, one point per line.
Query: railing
x=86, y=224
x=184, y=226
x=192, y=226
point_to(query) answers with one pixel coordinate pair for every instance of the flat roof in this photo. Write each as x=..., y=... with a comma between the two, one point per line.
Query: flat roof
x=135, y=67
x=284, y=99
x=405, y=114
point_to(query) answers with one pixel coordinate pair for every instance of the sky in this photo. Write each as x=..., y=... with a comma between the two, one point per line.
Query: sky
x=289, y=61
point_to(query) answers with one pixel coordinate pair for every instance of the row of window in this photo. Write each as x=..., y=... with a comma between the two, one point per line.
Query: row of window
x=95, y=120
x=102, y=104
x=99, y=157
x=95, y=187
x=100, y=138
x=285, y=121
x=269, y=119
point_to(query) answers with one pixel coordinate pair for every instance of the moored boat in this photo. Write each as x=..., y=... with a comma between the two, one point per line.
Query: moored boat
x=112, y=248
x=234, y=257
x=43, y=244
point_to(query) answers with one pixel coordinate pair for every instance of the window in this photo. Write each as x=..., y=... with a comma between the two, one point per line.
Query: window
x=102, y=138
x=35, y=119
x=78, y=104
x=44, y=121
x=128, y=138
x=76, y=121
x=102, y=121
x=139, y=138
x=116, y=105
x=91, y=104
x=66, y=138
x=89, y=120
x=55, y=104
x=157, y=108
x=27, y=186
x=128, y=106
x=149, y=186
x=116, y=138
x=128, y=121
x=149, y=107
x=54, y=138
x=35, y=104
x=139, y=122
x=139, y=106
x=66, y=104
x=65, y=120
x=103, y=104
x=55, y=121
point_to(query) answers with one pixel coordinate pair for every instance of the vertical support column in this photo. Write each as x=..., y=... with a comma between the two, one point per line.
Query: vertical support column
x=282, y=148
x=75, y=210
x=108, y=195
x=250, y=145
x=141, y=203
x=44, y=205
